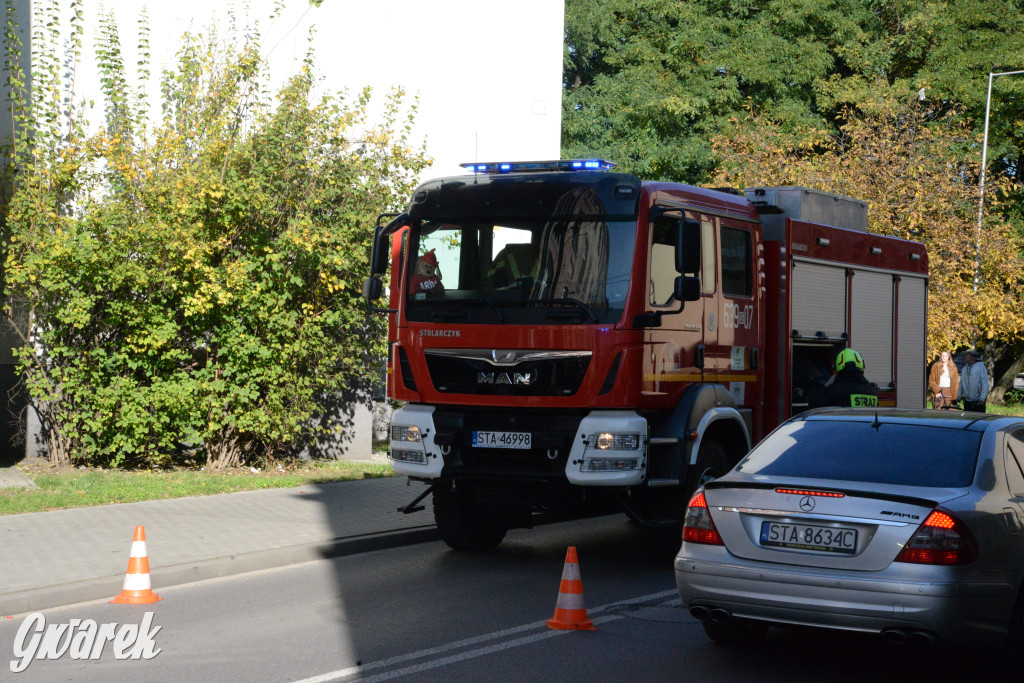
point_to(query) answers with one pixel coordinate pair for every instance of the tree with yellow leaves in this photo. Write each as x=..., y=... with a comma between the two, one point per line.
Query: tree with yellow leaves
x=918, y=169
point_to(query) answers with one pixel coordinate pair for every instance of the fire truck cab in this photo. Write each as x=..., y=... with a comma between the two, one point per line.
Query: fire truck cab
x=567, y=338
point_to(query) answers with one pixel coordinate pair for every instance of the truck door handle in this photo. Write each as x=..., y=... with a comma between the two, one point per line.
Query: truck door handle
x=698, y=356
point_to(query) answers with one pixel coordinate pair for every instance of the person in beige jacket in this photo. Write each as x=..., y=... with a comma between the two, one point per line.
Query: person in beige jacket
x=943, y=382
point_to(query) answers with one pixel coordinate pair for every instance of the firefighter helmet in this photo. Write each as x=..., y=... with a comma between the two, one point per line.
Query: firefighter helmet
x=847, y=356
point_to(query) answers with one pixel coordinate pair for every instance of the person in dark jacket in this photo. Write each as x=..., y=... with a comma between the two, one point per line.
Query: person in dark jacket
x=848, y=387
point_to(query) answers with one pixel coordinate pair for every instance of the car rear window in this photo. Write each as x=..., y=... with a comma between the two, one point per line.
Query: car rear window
x=888, y=453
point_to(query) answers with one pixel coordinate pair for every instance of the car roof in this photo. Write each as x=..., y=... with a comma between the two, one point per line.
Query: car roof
x=949, y=419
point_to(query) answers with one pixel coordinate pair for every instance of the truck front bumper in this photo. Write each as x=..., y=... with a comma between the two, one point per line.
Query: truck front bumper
x=599, y=448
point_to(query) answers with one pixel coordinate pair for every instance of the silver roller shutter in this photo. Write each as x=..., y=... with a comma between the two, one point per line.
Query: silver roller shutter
x=819, y=299
x=871, y=324
x=910, y=336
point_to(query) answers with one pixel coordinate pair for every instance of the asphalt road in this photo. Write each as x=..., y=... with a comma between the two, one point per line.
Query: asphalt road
x=425, y=613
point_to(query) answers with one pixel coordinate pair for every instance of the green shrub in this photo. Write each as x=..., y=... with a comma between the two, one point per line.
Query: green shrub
x=194, y=284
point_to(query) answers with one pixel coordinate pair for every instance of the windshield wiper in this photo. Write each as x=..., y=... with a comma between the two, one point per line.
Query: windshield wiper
x=451, y=316
x=571, y=302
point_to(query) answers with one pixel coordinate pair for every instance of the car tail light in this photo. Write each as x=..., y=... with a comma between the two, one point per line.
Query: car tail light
x=698, y=527
x=941, y=539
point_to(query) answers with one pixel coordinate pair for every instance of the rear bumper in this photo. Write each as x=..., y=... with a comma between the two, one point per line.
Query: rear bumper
x=976, y=614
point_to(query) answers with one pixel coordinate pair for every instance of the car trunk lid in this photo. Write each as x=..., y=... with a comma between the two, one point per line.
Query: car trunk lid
x=817, y=523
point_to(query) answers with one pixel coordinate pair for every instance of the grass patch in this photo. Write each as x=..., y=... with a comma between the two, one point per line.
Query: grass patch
x=70, y=488
x=1014, y=409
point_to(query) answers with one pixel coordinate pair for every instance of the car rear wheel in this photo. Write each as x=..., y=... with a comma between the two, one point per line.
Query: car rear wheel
x=462, y=524
x=735, y=631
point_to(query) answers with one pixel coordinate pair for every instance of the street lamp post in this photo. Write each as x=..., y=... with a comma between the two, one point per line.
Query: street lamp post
x=981, y=183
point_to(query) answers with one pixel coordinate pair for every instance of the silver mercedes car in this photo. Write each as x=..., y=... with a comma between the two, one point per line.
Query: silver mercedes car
x=908, y=524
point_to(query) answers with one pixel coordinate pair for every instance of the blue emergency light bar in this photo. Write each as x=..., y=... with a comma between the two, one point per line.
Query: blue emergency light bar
x=528, y=166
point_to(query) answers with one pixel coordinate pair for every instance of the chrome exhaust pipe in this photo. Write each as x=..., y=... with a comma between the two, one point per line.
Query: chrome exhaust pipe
x=922, y=639
x=720, y=615
x=700, y=612
x=894, y=636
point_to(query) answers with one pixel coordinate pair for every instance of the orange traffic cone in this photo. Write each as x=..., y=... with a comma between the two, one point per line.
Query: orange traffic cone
x=137, y=589
x=570, y=614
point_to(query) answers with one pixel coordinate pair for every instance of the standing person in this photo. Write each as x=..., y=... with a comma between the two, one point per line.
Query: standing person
x=848, y=387
x=973, y=383
x=943, y=382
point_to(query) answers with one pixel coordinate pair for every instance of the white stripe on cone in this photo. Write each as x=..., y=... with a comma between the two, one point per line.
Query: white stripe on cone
x=138, y=549
x=570, y=601
x=136, y=582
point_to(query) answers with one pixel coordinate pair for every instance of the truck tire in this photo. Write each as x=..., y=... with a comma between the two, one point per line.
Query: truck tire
x=463, y=525
x=712, y=463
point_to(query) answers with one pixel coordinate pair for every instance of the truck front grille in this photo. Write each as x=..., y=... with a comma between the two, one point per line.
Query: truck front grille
x=495, y=372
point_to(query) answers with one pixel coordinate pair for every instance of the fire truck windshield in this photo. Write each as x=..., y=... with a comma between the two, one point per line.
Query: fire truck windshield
x=572, y=270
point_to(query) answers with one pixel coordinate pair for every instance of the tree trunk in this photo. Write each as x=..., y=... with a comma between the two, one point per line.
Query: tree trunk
x=1005, y=362
x=226, y=449
x=57, y=444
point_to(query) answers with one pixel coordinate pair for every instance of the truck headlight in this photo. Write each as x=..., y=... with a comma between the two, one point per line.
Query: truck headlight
x=615, y=442
x=402, y=455
x=610, y=464
x=407, y=444
x=611, y=452
x=410, y=434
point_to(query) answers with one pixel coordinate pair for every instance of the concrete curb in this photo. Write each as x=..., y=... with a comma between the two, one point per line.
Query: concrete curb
x=12, y=477
x=24, y=602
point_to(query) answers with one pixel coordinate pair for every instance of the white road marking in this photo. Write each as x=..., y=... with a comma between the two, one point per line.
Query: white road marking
x=470, y=654
x=480, y=652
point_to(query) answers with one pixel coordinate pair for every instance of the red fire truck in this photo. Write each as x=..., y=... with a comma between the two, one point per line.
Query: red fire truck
x=565, y=337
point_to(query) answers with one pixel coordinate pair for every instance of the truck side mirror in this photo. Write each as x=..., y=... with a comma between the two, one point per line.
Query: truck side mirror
x=687, y=288
x=381, y=251
x=373, y=287
x=687, y=247
x=379, y=255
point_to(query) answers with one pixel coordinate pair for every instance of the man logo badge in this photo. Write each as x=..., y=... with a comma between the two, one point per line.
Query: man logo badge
x=512, y=378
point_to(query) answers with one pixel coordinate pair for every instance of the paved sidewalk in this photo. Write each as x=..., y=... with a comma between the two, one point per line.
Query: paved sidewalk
x=50, y=559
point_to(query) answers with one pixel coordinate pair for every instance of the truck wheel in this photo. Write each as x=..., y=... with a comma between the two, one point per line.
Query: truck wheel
x=463, y=525
x=735, y=631
x=712, y=463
